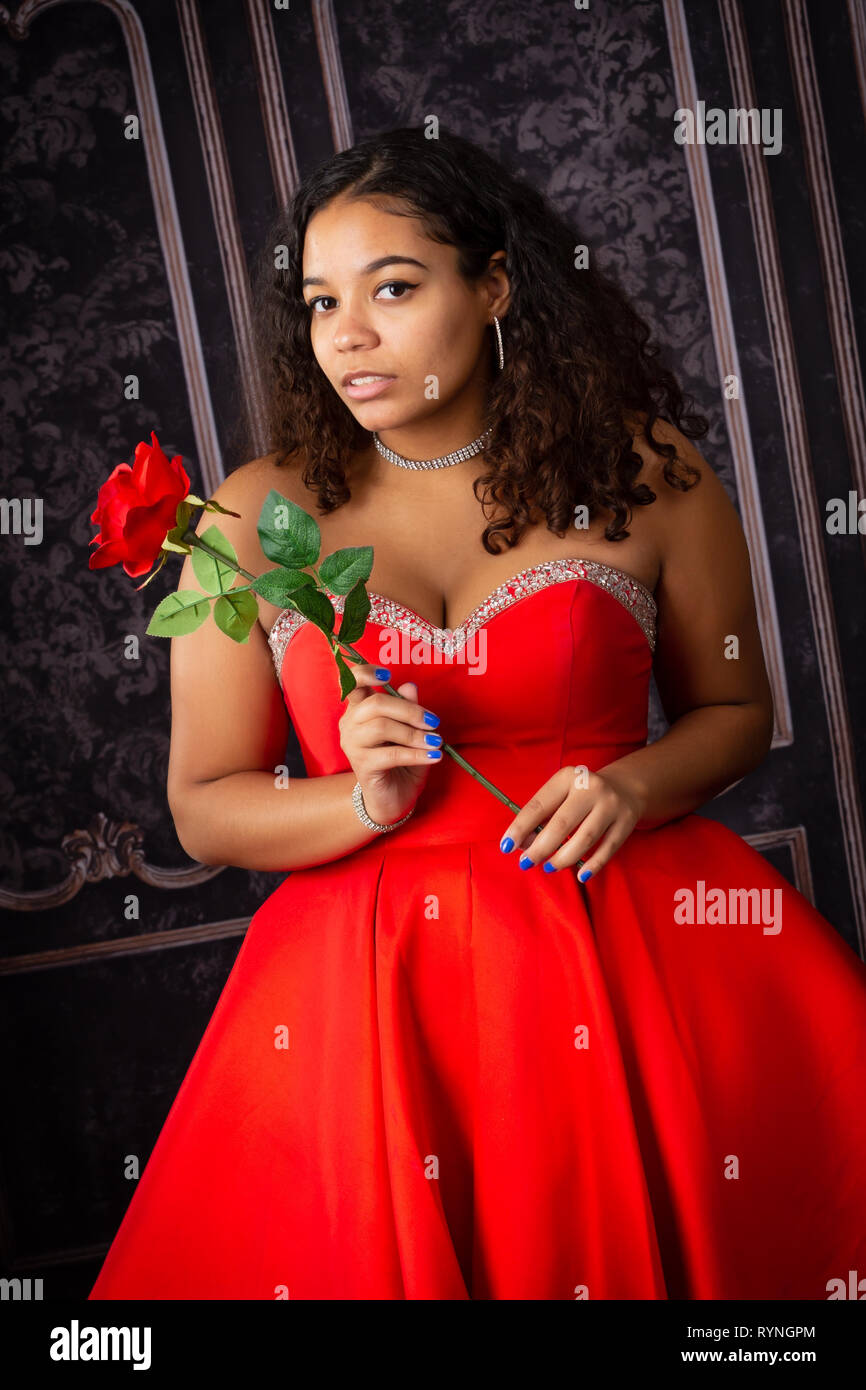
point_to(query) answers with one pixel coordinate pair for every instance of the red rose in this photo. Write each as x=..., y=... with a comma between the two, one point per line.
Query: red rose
x=136, y=509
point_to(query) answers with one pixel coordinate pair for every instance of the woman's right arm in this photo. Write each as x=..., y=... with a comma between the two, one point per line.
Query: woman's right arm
x=229, y=729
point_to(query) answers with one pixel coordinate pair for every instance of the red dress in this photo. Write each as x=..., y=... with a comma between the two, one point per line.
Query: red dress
x=434, y=1075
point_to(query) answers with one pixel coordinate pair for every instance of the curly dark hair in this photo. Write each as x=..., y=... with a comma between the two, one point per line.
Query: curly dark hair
x=579, y=364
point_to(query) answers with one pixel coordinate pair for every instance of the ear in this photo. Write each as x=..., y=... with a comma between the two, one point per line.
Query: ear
x=499, y=288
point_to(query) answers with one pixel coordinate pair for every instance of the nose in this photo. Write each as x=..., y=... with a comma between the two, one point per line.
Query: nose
x=351, y=332
x=350, y=329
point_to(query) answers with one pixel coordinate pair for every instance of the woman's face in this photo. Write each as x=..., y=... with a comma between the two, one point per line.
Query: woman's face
x=414, y=320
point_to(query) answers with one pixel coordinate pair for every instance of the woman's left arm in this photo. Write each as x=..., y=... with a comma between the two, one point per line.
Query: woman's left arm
x=710, y=674
x=709, y=664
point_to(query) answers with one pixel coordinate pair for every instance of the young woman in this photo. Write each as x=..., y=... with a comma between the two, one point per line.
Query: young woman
x=595, y=1048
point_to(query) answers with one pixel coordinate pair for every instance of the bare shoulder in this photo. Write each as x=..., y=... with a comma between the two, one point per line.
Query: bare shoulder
x=249, y=484
x=705, y=575
x=243, y=491
x=705, y=596
x=701, y=490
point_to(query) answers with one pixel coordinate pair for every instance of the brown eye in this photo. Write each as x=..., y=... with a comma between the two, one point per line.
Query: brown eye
x=389, y=284
x=397, y=284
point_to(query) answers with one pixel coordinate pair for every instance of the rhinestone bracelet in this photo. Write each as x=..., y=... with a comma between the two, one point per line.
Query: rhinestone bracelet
x=358, y=803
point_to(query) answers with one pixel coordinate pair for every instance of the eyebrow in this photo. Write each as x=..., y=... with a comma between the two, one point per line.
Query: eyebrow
x=368, y=269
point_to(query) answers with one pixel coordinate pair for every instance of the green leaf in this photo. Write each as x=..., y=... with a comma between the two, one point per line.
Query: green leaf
x=342, y=570
x=182, y=515
x=347, y=680
x=278, y=586
x=316, y=606
x=355, y=612
x=178, y=614
x=193, y=500
x=213, y=576
x=212, y=506
x=235, y=613
x=177, y=536
x=289, y=536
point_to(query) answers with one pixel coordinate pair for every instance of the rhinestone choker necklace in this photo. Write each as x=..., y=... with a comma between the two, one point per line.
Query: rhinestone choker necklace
x=445, y=461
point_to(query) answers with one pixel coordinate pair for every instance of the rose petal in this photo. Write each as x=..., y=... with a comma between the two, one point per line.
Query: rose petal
x=106, y=555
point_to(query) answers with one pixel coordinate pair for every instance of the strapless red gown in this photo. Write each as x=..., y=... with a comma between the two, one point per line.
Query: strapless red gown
x=499, y=1083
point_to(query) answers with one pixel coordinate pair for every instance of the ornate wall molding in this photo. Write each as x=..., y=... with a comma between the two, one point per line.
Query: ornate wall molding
x=208, y=453
x=794, y=840
x=106, y=849
x=837, y=290
x=272, y=102
x=86, y=952
x=325, y=25
x=727, y=357
x=857, y=21
x=224, y=208
x=809, y=521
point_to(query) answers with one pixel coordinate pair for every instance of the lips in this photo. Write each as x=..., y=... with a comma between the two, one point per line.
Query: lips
x=363, y=386
x=354, y=376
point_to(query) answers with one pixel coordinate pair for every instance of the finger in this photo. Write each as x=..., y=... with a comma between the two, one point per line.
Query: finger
x=367, y=676
x=532, y=817
x=527, y=840
x=427, y=719
x=384, y=757
x=602, y=851
x=552, y=841
x=380, y=704
x=379, y=731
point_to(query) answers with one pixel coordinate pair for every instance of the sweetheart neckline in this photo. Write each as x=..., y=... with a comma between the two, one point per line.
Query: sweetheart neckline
x=385, y=612
x=506, y=583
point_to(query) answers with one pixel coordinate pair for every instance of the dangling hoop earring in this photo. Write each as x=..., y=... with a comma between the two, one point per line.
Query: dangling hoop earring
x=499, y=342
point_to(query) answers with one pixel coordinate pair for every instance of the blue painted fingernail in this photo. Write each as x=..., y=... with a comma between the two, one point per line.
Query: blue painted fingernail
x=434, y=753
x=431, y=719
x=526, y=862
x=549, y=868
x=506, y=844
x=433, y=739
x=584, y=875
x=382, y=673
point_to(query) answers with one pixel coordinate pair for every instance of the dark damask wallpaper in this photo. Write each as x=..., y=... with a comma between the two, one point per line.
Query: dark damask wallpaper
x=103, y=1009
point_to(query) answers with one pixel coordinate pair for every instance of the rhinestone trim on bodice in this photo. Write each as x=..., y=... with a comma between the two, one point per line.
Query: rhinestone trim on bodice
x=387, y=612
